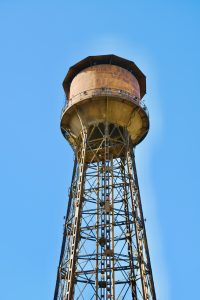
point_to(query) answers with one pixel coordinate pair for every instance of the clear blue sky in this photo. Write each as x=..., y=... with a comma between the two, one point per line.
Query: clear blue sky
x=39, y=41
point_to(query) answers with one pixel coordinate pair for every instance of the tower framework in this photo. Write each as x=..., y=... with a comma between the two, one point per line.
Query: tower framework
x=104, y=252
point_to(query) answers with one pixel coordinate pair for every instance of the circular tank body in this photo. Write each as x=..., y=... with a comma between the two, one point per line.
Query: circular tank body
x=103, y=89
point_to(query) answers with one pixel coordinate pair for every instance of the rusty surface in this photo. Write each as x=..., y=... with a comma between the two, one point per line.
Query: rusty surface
x=104, y=76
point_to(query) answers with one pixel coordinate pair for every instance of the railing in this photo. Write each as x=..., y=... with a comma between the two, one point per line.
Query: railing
x=104, y=92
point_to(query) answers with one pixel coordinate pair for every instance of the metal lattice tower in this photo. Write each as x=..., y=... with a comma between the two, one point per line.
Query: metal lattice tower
x=104, y=252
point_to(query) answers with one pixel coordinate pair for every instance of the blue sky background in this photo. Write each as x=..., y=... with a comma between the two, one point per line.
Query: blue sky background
x=40, y=40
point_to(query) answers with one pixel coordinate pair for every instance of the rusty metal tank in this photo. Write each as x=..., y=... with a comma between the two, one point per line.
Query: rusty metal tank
x=104, y=88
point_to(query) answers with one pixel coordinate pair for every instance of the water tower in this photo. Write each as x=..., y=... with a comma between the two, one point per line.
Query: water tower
x=104, y=253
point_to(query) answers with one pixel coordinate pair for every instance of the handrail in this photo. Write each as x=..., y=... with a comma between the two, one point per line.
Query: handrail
x=103, y=92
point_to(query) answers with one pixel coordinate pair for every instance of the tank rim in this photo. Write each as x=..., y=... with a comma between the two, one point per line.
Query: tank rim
x=67, y=109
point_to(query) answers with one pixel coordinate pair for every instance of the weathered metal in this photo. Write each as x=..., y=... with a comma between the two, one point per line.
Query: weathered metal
x=104, y=93
x=104, y=252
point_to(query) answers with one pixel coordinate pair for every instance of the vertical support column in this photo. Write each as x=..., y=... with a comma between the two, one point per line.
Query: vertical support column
x=141, y=240
x=152, y=287
x=102, y=240
x=76, y=225
x=97, y=234
x=113, y=227
x=59, y=272
x=128, y=233
x=107, y=282
x=137, y=226
x=108, y=211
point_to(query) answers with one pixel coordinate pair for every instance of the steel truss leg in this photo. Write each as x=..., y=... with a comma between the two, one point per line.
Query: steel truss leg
x=140, y=232
x=76, y=225
x=129, y=233
x=150, y=280
x=58, y=279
